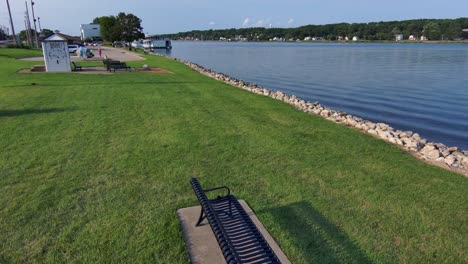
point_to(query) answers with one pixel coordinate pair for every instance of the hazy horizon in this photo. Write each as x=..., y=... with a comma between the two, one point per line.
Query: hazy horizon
x=162, y=17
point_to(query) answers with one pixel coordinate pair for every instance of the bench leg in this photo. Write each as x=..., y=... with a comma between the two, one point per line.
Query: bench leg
x=201, y=218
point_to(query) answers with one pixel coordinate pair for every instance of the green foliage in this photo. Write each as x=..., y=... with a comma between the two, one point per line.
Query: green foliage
x=46, y=32
x=23, y=34
x=450, y=28
x=123, y=27
x=3, y=34
x=432, y=31
x=129, y=27
x=109, y=30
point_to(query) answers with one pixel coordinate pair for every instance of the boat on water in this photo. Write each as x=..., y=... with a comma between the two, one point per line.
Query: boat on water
x=153, y=42
x=156, y=42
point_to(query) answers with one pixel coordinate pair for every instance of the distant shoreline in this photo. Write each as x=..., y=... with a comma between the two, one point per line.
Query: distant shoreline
x=343, y=42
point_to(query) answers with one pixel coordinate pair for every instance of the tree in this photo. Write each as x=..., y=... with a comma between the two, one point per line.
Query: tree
x=432, y=31
x=453, y=30
x=3, y=34
x=109, y=30
x=129, y=26
x=24, y=34
x=46, y=32
x=123, y=27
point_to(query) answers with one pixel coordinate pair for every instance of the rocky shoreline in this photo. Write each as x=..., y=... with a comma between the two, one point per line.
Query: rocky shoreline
x=451, y=158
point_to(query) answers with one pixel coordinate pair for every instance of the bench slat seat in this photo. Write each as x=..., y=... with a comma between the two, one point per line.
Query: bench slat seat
x=238, y=237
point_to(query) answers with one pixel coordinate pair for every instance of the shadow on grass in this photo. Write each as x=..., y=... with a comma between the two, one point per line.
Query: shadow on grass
x=9, y=113
x=316, y=238
x=95, y=84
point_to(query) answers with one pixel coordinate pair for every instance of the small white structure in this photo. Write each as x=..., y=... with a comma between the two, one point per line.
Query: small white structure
x=355, y=38
x=399, y=37
x=423, y=38
x=56, y=55
x=138, y=44
x=411, y=37
x=90, y=31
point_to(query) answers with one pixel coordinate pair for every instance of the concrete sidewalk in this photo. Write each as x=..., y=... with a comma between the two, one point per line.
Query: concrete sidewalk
x=113, y=53
x=201, y=242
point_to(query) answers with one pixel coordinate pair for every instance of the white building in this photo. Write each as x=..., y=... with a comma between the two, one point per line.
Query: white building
x=411, y=37
x=399, y=37
x=355, y=38
x=56, y=55
x=90, y=31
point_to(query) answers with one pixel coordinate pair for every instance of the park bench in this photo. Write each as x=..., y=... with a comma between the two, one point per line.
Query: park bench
x=76, y=66
x=112, y=65
x=118, y=66
x=238, y=238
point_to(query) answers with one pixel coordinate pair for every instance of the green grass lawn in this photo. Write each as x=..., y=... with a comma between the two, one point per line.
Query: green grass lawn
x=94, y=167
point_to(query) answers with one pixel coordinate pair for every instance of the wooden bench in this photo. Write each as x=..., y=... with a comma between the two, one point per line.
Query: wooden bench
x=238, y=238
x=76, y=66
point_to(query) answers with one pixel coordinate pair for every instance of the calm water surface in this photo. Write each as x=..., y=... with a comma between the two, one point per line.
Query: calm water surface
x=418, y=87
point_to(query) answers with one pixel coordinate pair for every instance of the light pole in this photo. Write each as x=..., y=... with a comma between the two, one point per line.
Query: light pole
x=39, y=22
x=34, y=20
x=11, y=23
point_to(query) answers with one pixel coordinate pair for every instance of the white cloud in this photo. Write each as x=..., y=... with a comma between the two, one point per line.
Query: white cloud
x=259, y=23
x=246, y=22
x=290, y=21
x=212, y=23
x=262, y=23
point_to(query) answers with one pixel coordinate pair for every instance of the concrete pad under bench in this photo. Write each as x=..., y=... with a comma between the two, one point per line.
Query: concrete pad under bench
x=201, y=242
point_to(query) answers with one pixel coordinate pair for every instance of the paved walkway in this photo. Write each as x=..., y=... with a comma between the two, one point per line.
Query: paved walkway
x=113, y=53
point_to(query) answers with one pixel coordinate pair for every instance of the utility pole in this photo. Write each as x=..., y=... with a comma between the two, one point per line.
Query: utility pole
x=28, y=38
x=28, y=24
x=11, y=24
x=35, y=29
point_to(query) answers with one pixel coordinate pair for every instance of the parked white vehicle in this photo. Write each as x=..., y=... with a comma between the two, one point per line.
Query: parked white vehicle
x=72, y=48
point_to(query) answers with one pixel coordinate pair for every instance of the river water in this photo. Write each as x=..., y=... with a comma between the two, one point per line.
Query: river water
x=417, y=87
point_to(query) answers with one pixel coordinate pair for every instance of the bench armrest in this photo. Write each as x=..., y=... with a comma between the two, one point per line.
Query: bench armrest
x=219, y=188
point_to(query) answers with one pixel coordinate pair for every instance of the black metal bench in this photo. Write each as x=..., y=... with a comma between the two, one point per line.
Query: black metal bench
x=237, y=236
x=118, y=66
x=112, y=65
x=76, y=66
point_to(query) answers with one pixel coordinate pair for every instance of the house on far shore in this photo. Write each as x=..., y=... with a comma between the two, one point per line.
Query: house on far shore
x=465, y=33
x=411, y=37
x=90, y=31
x=355, y=38
x=399, y=37
x=423, y=38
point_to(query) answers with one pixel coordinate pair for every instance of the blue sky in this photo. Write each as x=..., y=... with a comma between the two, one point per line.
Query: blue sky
x=172, y=16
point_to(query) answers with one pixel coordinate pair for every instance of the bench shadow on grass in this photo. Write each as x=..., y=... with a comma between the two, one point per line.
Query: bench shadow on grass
x=314, y=236
x=10, y=113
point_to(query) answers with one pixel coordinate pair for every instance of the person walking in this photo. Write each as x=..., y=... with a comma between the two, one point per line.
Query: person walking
x=100, y=52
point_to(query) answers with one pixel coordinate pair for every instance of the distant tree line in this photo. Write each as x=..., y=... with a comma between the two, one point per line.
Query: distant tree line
x=432, y=29
x=3, y=33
